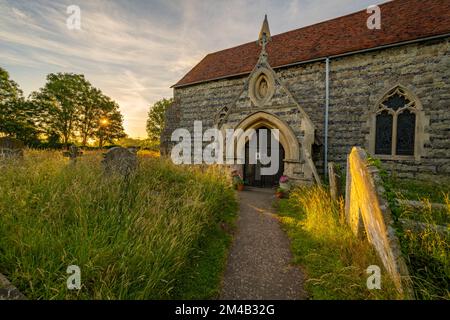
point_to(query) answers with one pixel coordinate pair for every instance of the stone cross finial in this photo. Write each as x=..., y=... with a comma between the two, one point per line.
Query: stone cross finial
x=264, y=34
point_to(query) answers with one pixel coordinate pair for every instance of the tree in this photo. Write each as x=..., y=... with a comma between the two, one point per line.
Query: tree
x=16, y=114
x=61, y=100
x=67, y=106
x=90, y=113
x=110, y=122
x=156, y=118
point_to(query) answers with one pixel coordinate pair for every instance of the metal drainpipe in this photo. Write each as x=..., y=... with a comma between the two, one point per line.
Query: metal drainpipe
x=327, y=107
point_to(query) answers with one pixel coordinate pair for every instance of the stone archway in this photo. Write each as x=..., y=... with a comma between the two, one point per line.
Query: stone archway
x=287, y=139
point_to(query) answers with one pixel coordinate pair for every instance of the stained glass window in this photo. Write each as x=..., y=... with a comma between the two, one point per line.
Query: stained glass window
x=395, y=114
x=396, y=102
x=406, y=127
x=383, y=143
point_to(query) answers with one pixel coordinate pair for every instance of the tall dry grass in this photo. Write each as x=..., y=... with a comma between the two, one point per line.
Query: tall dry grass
x=131, y=238
x=334, y=259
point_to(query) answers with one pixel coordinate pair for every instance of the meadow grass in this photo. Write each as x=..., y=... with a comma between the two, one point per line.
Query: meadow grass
x=419, y=190
x=427, y=251
x=134, y=238
x=335, y=261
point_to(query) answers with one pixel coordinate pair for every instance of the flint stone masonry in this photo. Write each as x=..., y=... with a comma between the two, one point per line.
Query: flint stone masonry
x=367, y=212
x=357, y=83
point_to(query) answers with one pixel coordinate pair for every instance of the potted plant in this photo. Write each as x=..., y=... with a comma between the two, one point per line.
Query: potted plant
x=279, y=193
x=284, y=183
x=238, y=183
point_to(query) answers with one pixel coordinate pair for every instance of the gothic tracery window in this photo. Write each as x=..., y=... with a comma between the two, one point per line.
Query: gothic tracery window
x=395, y=124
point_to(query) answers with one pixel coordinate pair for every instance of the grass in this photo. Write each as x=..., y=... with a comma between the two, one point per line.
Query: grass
x=426, y=213
x=335, y=261
x=201, y=280
x=419, y=190
x=427, y=251
x=132, y=239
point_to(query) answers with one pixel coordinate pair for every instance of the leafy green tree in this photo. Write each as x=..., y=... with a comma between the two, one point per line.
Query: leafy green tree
x=67, y=106
x=110, y=122
x=61, y=100
x=16, y=114
x=90, y=113
x=156, y=118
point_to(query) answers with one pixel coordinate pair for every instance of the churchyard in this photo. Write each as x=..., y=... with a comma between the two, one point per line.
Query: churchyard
x=135, y=231
x=354, y=206
x=140, y=227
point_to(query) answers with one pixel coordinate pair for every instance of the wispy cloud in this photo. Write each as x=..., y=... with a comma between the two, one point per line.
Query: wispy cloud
x=135, y=50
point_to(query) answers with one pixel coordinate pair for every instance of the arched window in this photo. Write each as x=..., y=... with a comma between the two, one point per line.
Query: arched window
x=396, y=125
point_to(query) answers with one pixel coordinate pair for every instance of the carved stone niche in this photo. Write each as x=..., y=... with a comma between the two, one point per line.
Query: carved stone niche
x=262, y=87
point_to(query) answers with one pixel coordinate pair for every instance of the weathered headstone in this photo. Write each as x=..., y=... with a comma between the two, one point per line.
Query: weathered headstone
x=8, y=291
x=120, y=160
x=73, y=153
x=11, y=148
x=334, y=181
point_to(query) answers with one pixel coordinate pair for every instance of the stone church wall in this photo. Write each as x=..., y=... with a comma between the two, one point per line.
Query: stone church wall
x=357, y=83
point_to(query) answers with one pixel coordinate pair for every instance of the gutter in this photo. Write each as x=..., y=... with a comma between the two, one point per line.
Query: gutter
x=327, y=109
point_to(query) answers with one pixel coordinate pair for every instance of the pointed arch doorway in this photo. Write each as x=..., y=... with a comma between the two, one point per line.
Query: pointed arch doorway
x=252, y=172
x=288, y=148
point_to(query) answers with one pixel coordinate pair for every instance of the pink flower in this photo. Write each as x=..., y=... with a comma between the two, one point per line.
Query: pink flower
x=284, y=179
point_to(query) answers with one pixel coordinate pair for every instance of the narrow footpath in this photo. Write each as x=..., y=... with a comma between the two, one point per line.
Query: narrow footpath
x=260, y=261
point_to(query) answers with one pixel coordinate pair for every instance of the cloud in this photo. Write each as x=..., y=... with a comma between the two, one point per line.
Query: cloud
x=135, y=50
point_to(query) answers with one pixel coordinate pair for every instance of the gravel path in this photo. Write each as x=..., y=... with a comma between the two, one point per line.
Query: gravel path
x=259, y=265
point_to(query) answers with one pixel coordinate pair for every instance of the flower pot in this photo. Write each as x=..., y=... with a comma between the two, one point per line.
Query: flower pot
x=285, y=186
x=279, y=195
x=240, y=187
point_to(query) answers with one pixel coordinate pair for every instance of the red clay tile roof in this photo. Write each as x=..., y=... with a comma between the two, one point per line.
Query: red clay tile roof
x=401, y=20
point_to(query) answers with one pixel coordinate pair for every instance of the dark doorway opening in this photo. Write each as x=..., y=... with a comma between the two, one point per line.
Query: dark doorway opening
x=252, y=172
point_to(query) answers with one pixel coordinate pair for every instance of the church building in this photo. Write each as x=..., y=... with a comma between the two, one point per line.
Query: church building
x=331, y=86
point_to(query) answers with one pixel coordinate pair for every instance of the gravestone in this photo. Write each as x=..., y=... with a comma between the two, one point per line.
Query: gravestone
x=11, y=148
x=334, y=181
x=8, y=291
x=73, y=153
x=120, y=160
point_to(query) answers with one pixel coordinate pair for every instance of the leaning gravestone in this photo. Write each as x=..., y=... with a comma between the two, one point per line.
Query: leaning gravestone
x=120, y=160
x=11, y=148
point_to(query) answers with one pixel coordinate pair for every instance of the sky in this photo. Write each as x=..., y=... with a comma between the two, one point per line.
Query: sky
x=135, y=50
